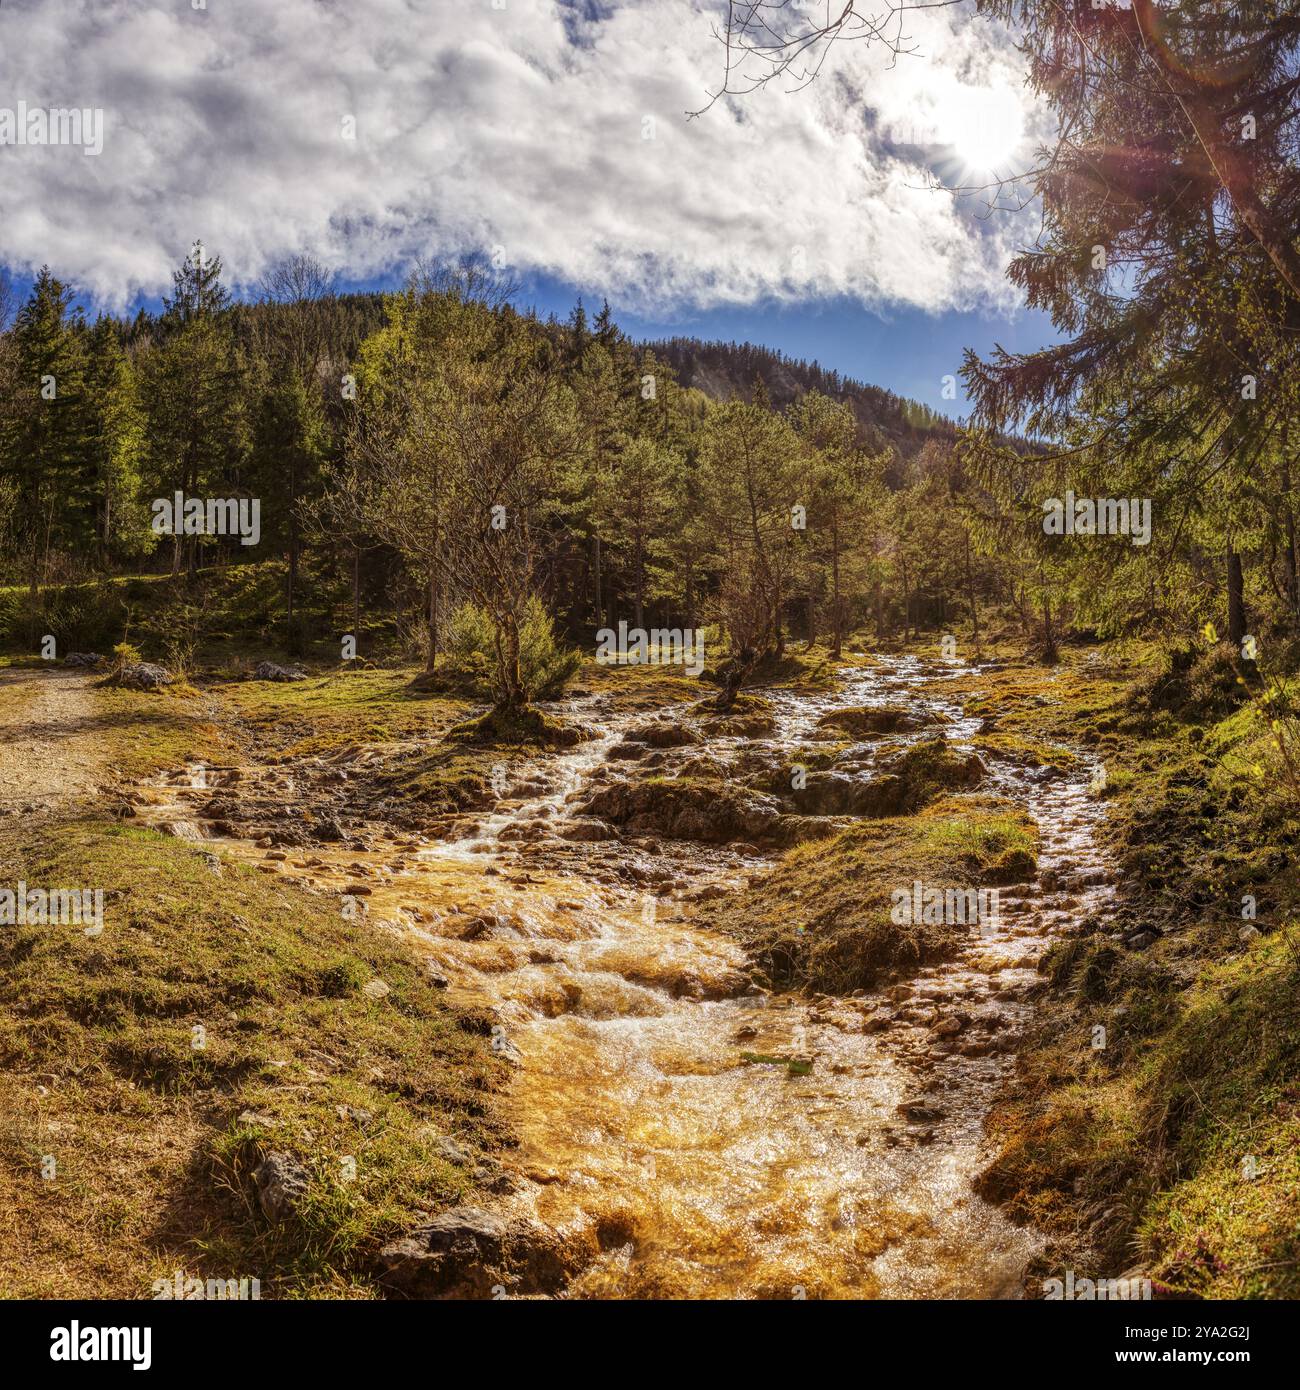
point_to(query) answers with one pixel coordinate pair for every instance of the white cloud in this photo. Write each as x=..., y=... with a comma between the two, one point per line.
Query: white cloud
x=479, y=127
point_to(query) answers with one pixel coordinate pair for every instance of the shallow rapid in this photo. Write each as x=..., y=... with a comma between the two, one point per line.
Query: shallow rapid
x=706, y=1176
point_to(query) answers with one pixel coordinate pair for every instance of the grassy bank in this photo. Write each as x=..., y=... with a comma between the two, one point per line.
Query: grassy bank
x=821, y=920
x=1170, y=1147
x=220, y=1016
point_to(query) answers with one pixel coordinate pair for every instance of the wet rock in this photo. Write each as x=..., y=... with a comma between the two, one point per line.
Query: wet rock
x=586, y=828
x=862, y=720
x=712, y=812
x=469, y=1252
x=478, y=927
x=753, y=724
x=834, y=794
x=528, y=833
x=920, y=1112
x=281, y=1183
x=628, y=752
x=664, y=733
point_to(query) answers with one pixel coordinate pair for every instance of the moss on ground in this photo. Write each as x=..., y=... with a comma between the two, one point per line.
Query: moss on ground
x=821, y=919
x=1139, y=1153
x=155, y=1139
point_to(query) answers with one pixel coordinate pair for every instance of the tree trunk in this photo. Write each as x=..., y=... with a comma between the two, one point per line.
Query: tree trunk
x=431, y=618
x=1050, y=654
x=1236, y=599
x=600, y=597
x=512, y=685
x=293, y=538
x=1288, y=519
x=970, y=592
x=837, y=617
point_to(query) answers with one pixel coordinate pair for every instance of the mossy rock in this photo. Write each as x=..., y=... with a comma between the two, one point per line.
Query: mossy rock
x=862, y=721
x=513, y=728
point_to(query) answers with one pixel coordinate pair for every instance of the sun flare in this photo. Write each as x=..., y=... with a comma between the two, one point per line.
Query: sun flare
x=985, y=127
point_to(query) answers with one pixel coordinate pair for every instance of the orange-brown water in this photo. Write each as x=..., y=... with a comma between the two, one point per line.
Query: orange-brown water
x=710, y=1177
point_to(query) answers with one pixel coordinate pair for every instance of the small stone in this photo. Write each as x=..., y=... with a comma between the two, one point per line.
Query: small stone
x=281, y=1183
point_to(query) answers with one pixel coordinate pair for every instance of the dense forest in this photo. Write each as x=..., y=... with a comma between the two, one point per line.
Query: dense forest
x=377, y=433
x=448, y=460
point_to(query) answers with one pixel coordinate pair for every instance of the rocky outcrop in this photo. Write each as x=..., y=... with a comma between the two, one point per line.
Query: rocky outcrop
x=270, y=671
x=861, y=721
x=470, y=1252
x=681, y=809
x=142, y=675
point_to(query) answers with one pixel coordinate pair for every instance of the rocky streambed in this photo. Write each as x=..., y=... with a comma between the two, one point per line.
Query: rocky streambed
x=684, y=1129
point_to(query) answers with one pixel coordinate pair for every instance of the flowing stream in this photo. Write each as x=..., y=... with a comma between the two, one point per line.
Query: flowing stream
x=710, y=1178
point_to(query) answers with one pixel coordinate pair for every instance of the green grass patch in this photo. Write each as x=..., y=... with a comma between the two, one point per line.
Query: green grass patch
x=327, y=1036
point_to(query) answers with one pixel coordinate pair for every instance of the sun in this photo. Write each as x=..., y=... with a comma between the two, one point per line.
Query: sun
x=985, y=127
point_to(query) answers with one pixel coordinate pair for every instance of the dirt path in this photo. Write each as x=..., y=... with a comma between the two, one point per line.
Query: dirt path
x=51, y=747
